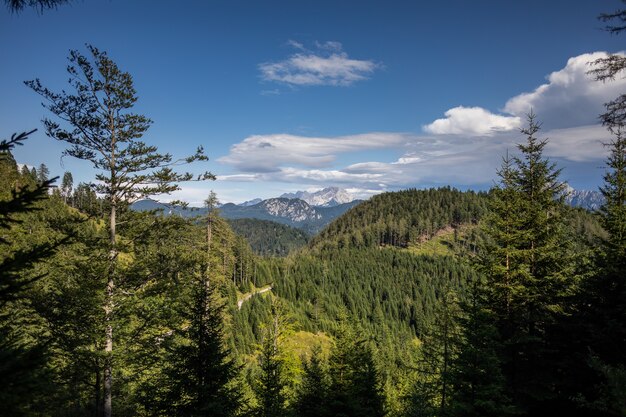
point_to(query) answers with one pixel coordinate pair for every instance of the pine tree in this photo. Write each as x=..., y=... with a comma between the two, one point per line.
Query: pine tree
x=99, y=127
x=606, y=69
x=42, y=174
x=200, y=371
x=433, y=388
x=476, y=375
x=355, y=386
x=528, y=269
x=314, y=390
x=271, y=382
x=67, y=186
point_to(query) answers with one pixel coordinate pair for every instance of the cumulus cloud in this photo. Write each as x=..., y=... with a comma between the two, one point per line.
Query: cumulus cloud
x=472, y=121
x=571, y=97
x=463, y=148
x=267, y=153
x=328, y=64
x=421, y=161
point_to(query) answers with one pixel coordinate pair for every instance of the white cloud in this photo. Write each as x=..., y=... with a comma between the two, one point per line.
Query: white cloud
x=422, y=160
x=328, y=65
x=571, y=97
x=266, y=153
x=578, y=144
x=464, y=148
x=472, y=121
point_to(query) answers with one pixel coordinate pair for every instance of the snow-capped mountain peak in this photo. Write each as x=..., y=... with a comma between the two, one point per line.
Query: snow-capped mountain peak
x=296, y=211
x=328, y=197
x=250, y=202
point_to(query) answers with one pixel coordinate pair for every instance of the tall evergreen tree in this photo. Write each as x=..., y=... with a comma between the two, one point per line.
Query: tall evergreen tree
x=355, y=387
x=314, y=391
x=42, y=173
x=24, y=371
x=67, y=186
x=99, y=126
x=201, y=371
x=476, y=375
x=271, y=382
x=603, y=298
x=527, y=268
x=439, y=349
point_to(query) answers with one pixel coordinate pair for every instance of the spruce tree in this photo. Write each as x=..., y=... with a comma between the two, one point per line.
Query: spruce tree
x=439, y=349
x=271, y=382
x=314, y=391
x=98, y=125
x=67, y=186
x=528, y=269
x=24, y=371
x=42, y=173
x=355, y=387
x=476, y=375
x=603, y=298
x=201, y=371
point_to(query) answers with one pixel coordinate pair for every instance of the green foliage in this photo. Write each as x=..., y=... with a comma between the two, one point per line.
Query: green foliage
x=355, y=386
x=400, y=218
x=270, y=383
x=530, y=271
x=199, y=372
x=269, y=238
x=440, y=347
x=476, y=374
x=315, y=387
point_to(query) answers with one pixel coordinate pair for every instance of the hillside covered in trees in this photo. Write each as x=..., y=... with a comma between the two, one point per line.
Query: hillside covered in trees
x=267, y=238
x=431, y=302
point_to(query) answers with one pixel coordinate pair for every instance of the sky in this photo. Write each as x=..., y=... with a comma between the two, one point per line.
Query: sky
x=370, y=96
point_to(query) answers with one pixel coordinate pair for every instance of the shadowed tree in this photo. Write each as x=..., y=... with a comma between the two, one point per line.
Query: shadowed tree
x=201, y=371
x=606, y=69
x=23, y=368
x=40, y=5
x=97, y=123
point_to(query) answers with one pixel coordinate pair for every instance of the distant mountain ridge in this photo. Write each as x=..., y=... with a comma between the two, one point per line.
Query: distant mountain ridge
x=587, y=199
x=292, y=212
x=328, y=197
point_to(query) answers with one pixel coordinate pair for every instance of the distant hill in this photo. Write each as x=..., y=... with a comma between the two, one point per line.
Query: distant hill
x=403, y=217
x=268, y=238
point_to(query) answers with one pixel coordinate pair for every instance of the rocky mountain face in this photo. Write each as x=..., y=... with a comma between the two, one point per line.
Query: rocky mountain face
x=295, y=210
x=328, y=197
x=587, y=199
x=292, y=212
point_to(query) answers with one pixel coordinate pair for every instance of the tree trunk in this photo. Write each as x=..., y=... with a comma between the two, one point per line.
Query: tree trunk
x=108, y=314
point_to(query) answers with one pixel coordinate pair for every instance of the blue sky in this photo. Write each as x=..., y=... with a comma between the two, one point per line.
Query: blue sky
x=369, y=96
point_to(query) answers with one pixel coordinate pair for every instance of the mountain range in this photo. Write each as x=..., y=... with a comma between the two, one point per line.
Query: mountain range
x=292, y=212
x=312, y=211
x=328, y=197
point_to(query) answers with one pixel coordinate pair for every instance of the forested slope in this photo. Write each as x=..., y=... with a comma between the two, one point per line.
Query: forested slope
x=268, y=238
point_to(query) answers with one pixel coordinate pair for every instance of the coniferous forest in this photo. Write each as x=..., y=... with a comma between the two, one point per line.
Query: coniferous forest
x=421, y=302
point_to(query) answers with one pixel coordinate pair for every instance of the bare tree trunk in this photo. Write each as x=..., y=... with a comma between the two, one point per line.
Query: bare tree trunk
x=108, y=313
x=208, y=249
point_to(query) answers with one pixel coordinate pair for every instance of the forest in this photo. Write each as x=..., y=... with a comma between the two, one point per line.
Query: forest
x=421, y=302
